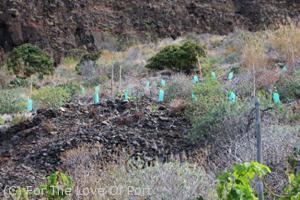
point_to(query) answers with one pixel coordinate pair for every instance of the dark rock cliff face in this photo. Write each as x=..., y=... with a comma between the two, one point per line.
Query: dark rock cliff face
x=61, y=25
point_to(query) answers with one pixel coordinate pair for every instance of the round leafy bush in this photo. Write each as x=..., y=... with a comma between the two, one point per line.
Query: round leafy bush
x=27, y=59
x=182, y=58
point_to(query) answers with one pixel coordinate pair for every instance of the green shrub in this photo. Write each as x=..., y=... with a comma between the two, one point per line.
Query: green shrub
x=236, y=184
x=28, y=59
x=207, y=109
x=50, y=97
x=71, y=88
x=182, y=58
x=209, y=63
x=289, y=87
x=10, y=102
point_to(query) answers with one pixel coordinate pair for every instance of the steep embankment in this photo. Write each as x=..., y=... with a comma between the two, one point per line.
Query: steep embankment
x=61, y=25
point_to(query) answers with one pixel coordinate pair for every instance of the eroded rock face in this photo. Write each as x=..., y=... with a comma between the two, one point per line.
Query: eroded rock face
x=61, y=25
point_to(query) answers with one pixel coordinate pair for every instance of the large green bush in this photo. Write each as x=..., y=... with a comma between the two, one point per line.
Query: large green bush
x=51, y=97
x=182, y=58
x=28, y=59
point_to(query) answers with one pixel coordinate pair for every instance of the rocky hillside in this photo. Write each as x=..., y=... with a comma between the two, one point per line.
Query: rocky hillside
x=61, y=25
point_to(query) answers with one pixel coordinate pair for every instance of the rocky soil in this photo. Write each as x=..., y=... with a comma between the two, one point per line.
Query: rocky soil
x=62, y=25
x=33, y=149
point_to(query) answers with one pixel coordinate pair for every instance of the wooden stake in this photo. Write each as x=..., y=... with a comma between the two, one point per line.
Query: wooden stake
x=120, y=78
x=200, y=69
x=112, y=82
x=259, y=154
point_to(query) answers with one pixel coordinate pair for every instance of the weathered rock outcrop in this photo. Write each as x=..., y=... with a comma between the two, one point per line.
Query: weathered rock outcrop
x=61, y=25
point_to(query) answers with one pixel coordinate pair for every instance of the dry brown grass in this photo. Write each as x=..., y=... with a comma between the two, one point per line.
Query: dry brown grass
x=254, y=57
x=286, y=40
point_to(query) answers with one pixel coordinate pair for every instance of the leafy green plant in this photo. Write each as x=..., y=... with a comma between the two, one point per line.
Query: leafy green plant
x=182, y=58
x=58, y=187
x=292, y=191
x=20, y=194
x=27, y=59
x=236, y=184
x=51, y=97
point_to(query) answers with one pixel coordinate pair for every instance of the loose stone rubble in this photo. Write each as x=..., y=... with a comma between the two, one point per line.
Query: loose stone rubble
x=31, y=150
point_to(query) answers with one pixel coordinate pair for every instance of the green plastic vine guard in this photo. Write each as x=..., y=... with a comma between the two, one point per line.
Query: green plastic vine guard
x=195, y=79
x=29, y=105
x=213, y=75
x=161, y=96
x=148, y=84
x=126, y=95
x=284, y=69
x=230, y=76
x=276, y=98
x=163, y=83
x=232, y=98
x=82, y=91
x=194, y=97
x=96, y=95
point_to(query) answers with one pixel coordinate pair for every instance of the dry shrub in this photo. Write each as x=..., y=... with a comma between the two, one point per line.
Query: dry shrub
x=180, y=86
x=268, y=77
x=172, y=180
x=162, y=181
x=177, y=106
x=286, y=40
